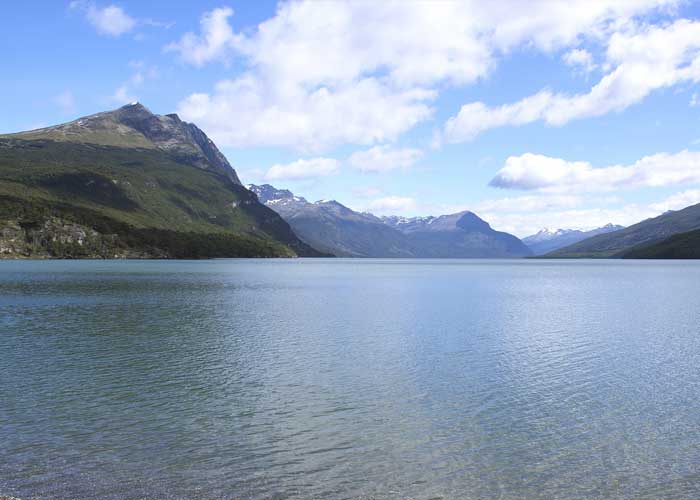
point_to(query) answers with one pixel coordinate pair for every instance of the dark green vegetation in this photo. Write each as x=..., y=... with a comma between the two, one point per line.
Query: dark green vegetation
x=125, y=195
x=660, y=235
x=334, y=228
x=678, y=246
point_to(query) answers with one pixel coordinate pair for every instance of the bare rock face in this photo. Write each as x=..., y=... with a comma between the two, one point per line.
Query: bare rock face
x=134, y=126
x=13, y=242
x=184, y=140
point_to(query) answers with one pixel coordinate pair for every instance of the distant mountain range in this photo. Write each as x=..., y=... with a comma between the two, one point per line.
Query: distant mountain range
x=129, y=183
x=547, y=240
x=332, y=227
x=656, y=238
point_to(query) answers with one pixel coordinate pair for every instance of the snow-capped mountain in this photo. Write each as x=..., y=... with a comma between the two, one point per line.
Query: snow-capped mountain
x=547, y=240
x=332, y=227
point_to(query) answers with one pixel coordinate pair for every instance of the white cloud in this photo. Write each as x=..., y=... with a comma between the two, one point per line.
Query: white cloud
x=524, y=224
x=66, y=102
x=538, y=172
x=645, y=60
x=678, y=201
x=215, y=43
x=383, y=158
x=303, y=169
x=694, y=100
x=526, y=215
x=391, y=205
x=580, y=59
x=110, y=20
x=326, y=73
x=249, y=111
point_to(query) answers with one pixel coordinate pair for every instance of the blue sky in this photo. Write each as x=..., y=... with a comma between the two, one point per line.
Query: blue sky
x=540, y=114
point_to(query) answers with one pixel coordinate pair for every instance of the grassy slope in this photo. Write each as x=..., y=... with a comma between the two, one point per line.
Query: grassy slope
x=136, y=188
x=678, y=246
x=647, y=232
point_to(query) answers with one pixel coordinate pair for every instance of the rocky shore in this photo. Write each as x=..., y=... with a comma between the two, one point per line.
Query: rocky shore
x=58, y=238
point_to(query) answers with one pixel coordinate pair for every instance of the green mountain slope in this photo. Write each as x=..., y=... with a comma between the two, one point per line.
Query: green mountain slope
x=140, y=184
x=678, y=246
x=647, y=232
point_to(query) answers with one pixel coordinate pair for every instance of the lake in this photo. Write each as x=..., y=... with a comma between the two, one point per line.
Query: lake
x=342, y=378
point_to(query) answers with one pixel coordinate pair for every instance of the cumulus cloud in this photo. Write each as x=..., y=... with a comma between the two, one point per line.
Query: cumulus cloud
x=303, y=169
x=538, y=172
x=326, y=73
x=383, y=158
x=249, y=111
x=215, y=42
x=643, y=60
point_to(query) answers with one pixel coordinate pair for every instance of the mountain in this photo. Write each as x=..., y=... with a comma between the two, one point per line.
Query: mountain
x=460, y=235
x=645, y=233
x=129, y=183
x=678, y=246
x=547, y=240
x=333, y=227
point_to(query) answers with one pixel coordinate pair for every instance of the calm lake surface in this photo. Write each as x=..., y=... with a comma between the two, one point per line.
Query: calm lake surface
x=339, y=378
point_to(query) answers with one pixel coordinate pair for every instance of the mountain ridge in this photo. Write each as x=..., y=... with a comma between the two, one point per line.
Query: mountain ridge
x=134, y=125
x=147, y=185
x=331, y=226
x=647, y=232
x=547, y=240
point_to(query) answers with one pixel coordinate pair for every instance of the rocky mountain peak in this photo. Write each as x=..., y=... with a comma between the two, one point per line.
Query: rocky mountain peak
x=185, y=140
x=135, y=126
x=267, y=193
x=471, y=222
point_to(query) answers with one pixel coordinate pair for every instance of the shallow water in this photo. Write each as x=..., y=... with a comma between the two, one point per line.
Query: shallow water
x=349, y=379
